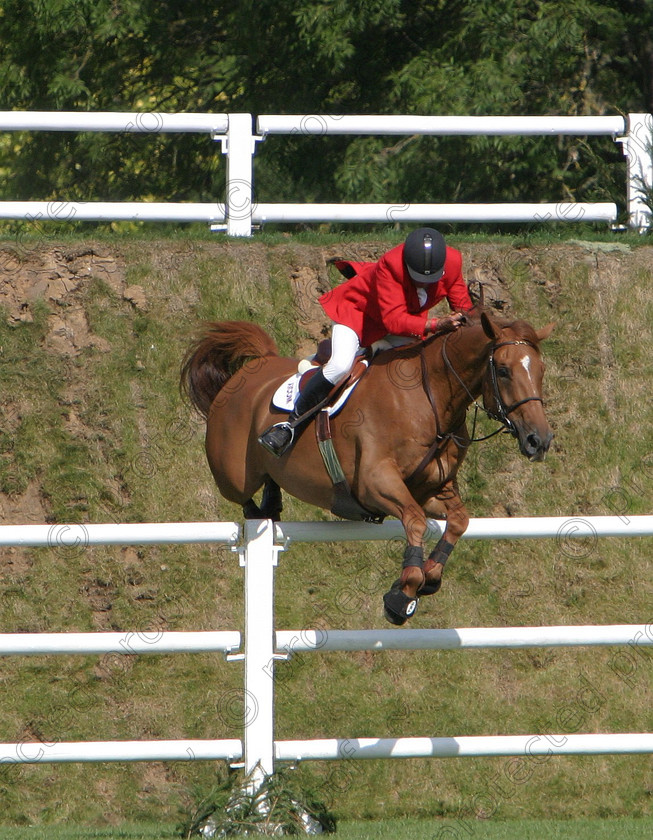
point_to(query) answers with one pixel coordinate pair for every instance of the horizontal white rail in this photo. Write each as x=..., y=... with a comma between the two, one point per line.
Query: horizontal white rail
x=299, y=641
x=509, y=528
x=167, y=533
x=106, y=211
x=72, y=536
x=37, y=752
x=318, y=124
x=238, y=139
x=135, y=122
x=329, y=749
x=151, y=641
x=390, y=213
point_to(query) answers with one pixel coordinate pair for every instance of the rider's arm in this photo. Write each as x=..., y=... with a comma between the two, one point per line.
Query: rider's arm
x=391, y=298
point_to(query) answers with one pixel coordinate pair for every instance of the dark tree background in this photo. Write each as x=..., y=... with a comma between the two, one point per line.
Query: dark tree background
x=490, y=57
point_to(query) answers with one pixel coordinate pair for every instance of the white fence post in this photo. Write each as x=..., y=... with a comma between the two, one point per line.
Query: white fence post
x=239, y=146
x=638, y=148
x=260, y=556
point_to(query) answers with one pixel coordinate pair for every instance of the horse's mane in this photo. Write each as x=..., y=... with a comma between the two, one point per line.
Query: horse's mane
x=521, y=328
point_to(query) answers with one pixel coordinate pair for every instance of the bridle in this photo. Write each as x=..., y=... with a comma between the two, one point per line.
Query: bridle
x=502, y=411
x=500, y=415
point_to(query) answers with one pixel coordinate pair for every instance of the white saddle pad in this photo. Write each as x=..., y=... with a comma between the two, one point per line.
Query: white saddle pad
x=286, y=394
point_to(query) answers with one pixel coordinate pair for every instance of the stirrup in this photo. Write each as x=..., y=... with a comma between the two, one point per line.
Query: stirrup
x=269, y=441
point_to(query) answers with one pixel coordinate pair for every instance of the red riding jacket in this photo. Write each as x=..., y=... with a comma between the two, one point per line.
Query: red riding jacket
x=381, y=298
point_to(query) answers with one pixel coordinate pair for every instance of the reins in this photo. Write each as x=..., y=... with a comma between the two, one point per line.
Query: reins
x=500, y=415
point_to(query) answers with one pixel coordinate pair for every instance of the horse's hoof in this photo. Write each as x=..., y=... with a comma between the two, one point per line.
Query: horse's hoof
x=429, y=588
x=398, y=607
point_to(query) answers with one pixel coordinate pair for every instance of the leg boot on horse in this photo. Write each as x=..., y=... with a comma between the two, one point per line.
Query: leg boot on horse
x=278, y=438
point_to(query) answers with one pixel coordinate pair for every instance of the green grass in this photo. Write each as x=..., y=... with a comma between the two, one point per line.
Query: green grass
x=143, y=831
x=406, y=829
x=101, y=436
x=409, y=829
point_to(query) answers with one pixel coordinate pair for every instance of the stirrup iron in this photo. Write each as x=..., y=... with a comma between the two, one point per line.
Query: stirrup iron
x=278, y=450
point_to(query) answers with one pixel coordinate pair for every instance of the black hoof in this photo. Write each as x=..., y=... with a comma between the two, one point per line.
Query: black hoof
x=429, y=588
x=252, y=511
x=398, y=608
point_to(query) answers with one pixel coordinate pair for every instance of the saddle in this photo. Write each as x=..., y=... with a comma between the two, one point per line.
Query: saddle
x=286, y=394
x=343, y=503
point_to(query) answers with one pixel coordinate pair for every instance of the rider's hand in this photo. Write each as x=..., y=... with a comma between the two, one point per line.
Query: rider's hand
x=447, y=324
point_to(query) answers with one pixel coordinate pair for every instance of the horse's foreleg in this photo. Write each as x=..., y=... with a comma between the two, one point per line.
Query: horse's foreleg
x=400, y=602
x=446, y=502
x=390, y=494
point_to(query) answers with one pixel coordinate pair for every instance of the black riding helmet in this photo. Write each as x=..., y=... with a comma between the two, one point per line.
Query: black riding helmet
x=424, y=254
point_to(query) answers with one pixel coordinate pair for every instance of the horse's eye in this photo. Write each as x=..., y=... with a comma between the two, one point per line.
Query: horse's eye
x=503, y=372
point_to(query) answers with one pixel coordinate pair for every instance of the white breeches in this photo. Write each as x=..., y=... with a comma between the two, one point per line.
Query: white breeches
x=344, y=347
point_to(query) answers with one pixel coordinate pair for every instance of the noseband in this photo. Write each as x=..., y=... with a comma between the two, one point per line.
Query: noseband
x=502, y=412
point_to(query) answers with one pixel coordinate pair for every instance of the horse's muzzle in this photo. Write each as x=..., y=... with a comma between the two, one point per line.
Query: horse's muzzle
x=535, y=445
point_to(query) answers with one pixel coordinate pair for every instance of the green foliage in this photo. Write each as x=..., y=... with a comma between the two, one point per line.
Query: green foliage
x=372, y=56
x=236, y=806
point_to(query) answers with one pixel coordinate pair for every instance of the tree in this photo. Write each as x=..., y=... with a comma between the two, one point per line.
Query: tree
x=313, y=57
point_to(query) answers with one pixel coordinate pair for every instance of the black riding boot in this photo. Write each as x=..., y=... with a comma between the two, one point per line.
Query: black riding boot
x=279, y=437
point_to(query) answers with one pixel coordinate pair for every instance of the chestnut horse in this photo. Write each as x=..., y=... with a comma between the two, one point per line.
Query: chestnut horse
x=400, y=438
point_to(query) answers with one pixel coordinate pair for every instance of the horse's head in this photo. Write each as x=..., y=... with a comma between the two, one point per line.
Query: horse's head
x=512, y=384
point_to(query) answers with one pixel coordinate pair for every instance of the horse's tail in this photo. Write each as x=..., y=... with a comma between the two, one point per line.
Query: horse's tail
x=220, y=349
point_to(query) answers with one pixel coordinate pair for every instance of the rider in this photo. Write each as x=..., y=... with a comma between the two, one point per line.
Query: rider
x=387, y=298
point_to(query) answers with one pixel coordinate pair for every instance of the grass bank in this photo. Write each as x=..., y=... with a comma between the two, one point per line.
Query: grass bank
x=92, y=429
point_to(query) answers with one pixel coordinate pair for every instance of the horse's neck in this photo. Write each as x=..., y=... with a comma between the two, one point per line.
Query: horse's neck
x=459, y=360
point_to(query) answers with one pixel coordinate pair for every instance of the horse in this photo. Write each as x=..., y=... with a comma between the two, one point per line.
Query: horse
x=400, y=438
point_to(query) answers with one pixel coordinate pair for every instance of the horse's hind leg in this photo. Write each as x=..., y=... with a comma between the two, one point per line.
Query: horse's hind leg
x=271, y=504
x=251, y=510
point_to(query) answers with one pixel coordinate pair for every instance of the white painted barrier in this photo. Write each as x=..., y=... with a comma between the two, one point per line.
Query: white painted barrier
x=112, y=211
x=131, y=643
x=390, y=213
x=321, y=124
x=259, y=550
x=74, y=536
x=263, y=541
x=331, y=749
x=39, y=752
x=239, y=210
x=467, y=638
x=492, y=528
x=121, y=122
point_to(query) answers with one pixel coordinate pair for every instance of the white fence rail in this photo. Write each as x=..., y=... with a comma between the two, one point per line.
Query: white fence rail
x=239, y=211
x=259, y=548
x=330, y=749
x=469, y=638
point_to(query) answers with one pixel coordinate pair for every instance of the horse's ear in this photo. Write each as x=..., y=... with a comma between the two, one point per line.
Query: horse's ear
x=545, y=332
x=490, y=329
x=477, y=299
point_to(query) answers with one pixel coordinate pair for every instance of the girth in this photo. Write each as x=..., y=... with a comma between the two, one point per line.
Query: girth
x=344, y=503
